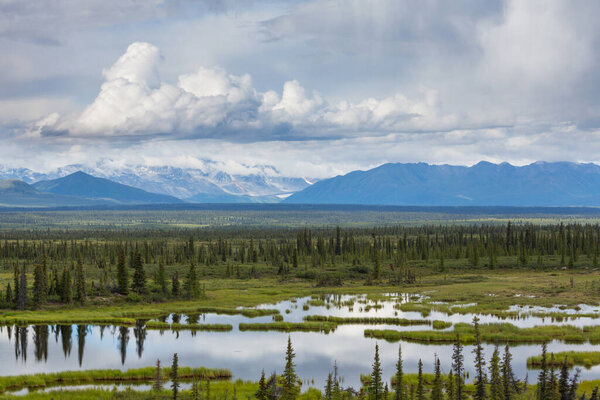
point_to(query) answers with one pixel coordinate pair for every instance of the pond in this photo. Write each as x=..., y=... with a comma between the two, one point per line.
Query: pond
x=54, y=348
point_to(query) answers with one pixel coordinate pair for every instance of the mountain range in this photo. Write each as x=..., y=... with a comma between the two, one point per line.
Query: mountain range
x=483, y=184
x=258, y=183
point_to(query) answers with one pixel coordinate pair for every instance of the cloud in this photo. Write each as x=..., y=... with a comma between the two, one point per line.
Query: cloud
x=210, y=103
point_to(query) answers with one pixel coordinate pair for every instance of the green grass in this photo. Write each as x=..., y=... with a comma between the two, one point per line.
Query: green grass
x=586, y=359
x=104, y=376
x=493, y=333
x=158, y=325
x=324, y=327
x=368, y=320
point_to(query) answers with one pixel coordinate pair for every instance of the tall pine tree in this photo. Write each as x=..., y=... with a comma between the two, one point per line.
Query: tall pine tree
x=290, y=389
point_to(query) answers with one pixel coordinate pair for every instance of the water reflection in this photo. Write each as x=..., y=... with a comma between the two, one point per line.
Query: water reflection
x=245, y=353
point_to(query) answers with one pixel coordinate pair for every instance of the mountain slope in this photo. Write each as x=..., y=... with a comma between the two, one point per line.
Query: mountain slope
x=484, y=184
x=16, y=193
x=83, y=185
x=208, y=178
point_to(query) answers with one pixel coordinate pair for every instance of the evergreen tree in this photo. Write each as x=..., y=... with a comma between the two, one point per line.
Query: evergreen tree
x=175, y=284
x=290, y=387
x=563, y=381
x=161, y=280
x=542, y=384
x=17, y=284
x=450, y=386
x=552, y=390
x=9, y=294
x=480, y=378
x=191, y=285
x=574, y=384
x=420, y=387
x=261, y=394
x=376, y=391
x=458, y=367
x=436, y=389
x=79, y=282
x=138, y=283
x=66, y=291
x=509, y=385
x=22, y=288
x=157, y=377
x=399, y=393
x=495, y=377
x=40, y=283
x=376, y=263
x=175, y=377
x=329, y=387
x=122, y=274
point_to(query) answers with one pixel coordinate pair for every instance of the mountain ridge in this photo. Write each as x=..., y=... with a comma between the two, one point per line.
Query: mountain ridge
x=483, y=184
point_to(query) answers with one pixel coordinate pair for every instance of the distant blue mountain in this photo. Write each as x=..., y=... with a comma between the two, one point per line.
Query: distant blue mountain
x=483, y=184
x=80, y=184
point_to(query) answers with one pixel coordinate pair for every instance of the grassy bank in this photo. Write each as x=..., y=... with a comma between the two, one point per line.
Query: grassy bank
x=104, y=376
x=586, y=359
x=377, y=320
x=158, y=325
x=324, y=327
x=492, y=291
x=493, y=333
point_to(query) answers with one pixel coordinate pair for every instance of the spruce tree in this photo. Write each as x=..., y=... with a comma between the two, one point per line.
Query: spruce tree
x=495, y=377
x=17, y=284
x=376, y=390
x=290, y=388
x=261, y=394
x=420, y=386
x=138, y=283
x=480, y=378
x=175, y=376
x=458, y=367
x=175, y=284
x=509, y=385
x=542, y=384
x=122, y=274
x=563, y=381
x=399, y=393
x=79, y=282
x=157, y=377
x=329, y=387
x=450, y=386
x=66, y=291
x=161, y=280
x=40, y=283
x=9, y=294
x=22, y=288
x=437, y=387
x=191, y=284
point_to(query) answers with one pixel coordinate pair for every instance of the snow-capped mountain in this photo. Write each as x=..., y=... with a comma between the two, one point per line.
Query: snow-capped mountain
x=259, y=182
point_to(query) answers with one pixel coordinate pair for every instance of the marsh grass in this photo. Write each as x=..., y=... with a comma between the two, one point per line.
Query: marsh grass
x=586, y=359
x=158, y=325
x=104, y=376
x=324, y=327
x=494, y=333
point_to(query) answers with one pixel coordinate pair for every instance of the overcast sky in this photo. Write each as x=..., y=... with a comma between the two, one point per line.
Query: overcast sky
x=314, y=88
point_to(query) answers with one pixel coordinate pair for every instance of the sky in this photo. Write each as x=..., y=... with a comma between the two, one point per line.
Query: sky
x=314, y=88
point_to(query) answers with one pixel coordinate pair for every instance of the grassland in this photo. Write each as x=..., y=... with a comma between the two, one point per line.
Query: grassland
x=105, y=376
x=491, y=292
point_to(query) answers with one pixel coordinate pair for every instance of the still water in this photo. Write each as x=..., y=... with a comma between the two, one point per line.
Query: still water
x=54, y=348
